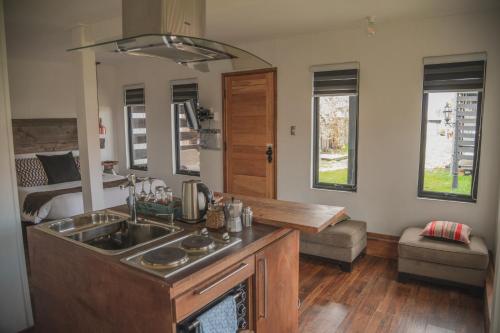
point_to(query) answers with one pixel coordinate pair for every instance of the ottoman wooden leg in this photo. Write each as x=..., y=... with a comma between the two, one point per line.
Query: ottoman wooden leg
x=346, y=266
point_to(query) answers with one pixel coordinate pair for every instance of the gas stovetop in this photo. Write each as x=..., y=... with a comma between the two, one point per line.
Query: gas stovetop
x=172, y=257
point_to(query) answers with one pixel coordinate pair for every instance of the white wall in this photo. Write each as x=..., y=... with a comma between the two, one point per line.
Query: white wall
x=41, y=88
x=156, y=76
x=46, y=89
x=15, y=310
x=42, y=83
x=109, y=101
x=389, y=118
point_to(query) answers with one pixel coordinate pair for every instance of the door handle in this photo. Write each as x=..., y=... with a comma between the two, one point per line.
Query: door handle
x=269, y=153
x=263, y=262
x=241, y=267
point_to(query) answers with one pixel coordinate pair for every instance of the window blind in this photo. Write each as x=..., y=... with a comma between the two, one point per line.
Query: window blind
x=183, y=92
x=457, y=76
x=134, y=96
x=137, y=131
x=335, y=82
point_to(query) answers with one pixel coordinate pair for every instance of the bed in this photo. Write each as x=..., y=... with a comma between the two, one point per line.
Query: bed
x=40, y=198
x=70, y=204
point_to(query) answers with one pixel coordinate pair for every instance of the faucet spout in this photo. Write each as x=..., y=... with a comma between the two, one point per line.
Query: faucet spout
x=131, y=200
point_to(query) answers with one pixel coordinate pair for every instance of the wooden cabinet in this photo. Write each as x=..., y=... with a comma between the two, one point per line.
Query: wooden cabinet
x=277, y=286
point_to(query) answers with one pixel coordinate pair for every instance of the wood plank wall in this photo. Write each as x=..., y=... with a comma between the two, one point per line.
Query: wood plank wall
x=44, y=135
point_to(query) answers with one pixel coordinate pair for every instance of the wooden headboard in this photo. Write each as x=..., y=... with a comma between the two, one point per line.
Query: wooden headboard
x=44, y=135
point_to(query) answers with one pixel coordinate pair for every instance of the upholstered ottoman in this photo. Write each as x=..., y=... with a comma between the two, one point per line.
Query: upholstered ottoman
x=341, y=243
x=441, y=260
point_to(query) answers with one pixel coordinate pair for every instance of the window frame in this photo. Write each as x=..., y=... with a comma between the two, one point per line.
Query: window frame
x=178, y=170
x=335, y=187
x=176, y=124
x=472, y=198
x=128, y=110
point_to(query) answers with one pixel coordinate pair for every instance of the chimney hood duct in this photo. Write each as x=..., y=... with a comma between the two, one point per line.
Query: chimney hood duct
x=175, y=30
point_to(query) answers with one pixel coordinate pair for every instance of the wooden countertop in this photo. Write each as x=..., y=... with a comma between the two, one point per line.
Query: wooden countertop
x=252, y=239
x=310, y=218
x=273, y=219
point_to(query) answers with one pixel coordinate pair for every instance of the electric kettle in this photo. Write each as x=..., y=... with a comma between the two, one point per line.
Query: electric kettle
x=195, y=199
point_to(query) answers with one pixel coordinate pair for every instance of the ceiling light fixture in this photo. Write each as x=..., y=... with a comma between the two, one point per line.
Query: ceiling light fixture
x=174, y=30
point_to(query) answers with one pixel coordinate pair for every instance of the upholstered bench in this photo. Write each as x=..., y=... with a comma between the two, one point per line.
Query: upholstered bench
x=441, y=260
x=340, y=243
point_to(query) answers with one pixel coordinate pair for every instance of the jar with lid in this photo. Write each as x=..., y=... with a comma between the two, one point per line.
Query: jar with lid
x=247, y=216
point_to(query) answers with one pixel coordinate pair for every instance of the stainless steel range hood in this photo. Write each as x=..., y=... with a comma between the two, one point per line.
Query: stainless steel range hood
x=174, y=30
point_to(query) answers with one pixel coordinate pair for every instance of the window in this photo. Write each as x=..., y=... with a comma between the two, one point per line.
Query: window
x=335, y=108
x=136, y=124
x=451, y=130
x=187, y=141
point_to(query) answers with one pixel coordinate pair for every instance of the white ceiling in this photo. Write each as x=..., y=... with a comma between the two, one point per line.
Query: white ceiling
x=43, y=25
x=251, y=19
x=61, y=14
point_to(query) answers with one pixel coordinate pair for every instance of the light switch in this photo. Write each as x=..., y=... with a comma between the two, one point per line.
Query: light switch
x=217, y=115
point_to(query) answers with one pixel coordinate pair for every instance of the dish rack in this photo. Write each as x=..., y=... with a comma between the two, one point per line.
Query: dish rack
x=155, y=209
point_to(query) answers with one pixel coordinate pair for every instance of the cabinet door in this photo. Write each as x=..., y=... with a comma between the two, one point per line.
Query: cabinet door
x=277, y=286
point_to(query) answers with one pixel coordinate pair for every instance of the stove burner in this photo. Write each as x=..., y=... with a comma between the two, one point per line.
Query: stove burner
x=164, y=257
x=197, y=244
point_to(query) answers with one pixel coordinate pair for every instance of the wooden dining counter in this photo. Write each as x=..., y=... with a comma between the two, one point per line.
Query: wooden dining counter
x=305, y=217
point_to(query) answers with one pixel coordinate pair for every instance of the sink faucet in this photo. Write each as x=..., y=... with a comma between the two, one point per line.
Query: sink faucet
x=131, y=201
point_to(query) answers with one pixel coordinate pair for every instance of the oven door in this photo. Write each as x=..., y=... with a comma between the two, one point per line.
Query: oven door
x=204, y=296
x=240, y=294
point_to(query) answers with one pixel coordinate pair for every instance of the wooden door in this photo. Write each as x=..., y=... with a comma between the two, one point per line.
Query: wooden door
x=250, y=133
x=277, y=286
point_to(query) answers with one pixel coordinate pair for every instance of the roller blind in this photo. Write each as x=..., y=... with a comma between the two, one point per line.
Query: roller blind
x=335, y=82
x=134, y=96
x=137, y=130
x=457, y=76
x=183, y=92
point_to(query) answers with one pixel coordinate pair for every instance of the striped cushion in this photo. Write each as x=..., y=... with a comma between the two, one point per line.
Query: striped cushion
x=448, y=230
x=30, y=172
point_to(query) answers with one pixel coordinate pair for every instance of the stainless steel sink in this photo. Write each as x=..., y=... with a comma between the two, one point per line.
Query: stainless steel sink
x=108, y=232
x=116, y=238
x=84, y=221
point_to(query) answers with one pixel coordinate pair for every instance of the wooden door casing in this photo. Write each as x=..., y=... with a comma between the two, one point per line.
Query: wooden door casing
x=249, y=100
x=277, y=286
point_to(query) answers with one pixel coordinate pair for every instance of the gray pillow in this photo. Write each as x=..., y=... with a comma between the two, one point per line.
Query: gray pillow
x=60, y=168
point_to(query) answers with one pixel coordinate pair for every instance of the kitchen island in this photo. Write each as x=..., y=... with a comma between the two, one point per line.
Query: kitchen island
x=78, y=289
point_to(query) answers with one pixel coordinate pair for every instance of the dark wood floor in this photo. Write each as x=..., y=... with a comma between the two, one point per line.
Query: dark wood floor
x=370, y=299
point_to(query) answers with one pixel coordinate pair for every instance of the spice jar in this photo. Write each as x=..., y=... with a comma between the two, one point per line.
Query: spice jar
x=215, y=217
x=247, y=216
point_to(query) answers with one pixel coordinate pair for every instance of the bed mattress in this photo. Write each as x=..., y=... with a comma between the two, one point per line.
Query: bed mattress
x=71, y=204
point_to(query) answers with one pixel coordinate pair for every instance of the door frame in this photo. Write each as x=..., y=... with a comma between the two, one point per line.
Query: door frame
x=274, y=71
